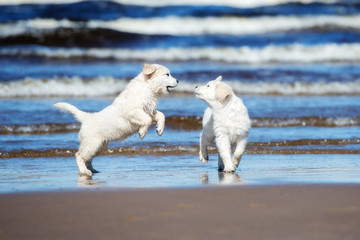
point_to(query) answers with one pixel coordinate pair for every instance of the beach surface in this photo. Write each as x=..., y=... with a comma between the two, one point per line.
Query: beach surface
x=295, y=64
x=245, y=212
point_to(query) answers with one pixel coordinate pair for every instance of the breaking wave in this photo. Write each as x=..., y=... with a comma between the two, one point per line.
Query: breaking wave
x=109, y=86
x=235, y=25
x=188, y=25
x=236, y=3
x=67, y=86
x=295, y=53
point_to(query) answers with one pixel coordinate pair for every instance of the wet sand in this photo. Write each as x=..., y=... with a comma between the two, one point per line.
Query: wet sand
x=245, y=212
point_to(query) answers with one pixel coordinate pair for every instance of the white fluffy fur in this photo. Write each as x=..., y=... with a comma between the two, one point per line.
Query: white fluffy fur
x=134, y=110
x=227, y=120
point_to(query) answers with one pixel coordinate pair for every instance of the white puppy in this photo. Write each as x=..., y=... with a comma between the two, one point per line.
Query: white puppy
x=227, y=120
x=134, y=110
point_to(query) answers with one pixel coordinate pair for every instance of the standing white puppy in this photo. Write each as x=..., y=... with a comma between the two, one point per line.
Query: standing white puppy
x=134, y=110
x=227, y=120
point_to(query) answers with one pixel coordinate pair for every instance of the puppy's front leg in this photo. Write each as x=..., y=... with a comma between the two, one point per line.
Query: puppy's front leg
x=224, y=148
x=141, y=119
x=160, y=122
x=239, y=150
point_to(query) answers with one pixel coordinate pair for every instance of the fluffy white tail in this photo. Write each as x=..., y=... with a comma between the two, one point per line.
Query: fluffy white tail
x=66, y=107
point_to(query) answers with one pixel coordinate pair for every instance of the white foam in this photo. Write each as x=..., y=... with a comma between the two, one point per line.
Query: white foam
x=108, y=86
x=34, y=26
x=16, y=2
x=188, y=25
x=295, y=53
x=276, y=88
x=73, y=86
x=226, y=25
x=297, y=88
x=233, y=3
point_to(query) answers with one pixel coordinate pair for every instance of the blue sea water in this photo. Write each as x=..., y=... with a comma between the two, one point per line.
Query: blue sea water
x=295, y=64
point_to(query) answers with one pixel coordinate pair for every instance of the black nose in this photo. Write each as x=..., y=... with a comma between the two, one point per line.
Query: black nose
x=177, y=81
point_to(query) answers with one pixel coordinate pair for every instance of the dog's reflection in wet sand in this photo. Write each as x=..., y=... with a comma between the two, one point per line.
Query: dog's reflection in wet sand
x=225, y=178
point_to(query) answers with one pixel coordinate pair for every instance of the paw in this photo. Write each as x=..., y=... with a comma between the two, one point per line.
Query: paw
x=229, y=169
x=94, y=171
x=142, y=133
x=160, y=129
x=203, y=159
x=236, y=161
x=85, y=172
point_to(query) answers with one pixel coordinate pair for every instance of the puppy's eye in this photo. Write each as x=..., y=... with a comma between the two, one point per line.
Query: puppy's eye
x=168, y=74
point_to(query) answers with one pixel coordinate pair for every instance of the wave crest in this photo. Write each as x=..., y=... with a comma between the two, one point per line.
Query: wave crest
x=108, y=86
x=184, y=26
x=72, y=86
x=295, y=53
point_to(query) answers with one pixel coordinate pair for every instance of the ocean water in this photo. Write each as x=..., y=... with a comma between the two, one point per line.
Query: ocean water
x=295, y=64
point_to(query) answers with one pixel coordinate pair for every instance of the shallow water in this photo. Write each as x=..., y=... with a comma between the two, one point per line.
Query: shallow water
x=60, y=173
x=296, y=65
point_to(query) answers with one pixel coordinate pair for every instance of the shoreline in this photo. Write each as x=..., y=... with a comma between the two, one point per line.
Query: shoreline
x=172, y=171
x=242, y=212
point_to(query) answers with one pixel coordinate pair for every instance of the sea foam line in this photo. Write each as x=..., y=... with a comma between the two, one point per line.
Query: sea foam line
x=234, y=25
x=296, y=53
x=108, y=86
x=67, y=86
x=189, y=25
x=233, y=3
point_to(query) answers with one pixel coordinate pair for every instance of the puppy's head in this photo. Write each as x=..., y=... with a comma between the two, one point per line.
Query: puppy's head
x=159, y=78
x=214, y=93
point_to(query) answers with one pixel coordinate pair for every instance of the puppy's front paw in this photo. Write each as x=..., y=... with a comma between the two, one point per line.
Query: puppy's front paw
x=229, y=169
x=160, y=129
x=142, y=134
x=203, y=159
x=85, y=172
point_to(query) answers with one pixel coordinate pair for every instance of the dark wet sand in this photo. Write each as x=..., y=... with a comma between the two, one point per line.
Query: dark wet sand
x=245, y=212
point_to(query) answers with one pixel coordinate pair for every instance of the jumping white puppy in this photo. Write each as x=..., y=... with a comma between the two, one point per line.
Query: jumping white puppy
x=134, y=110
x=227, y=120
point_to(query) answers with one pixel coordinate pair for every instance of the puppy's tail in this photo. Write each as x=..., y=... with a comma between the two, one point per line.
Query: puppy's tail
x=66, y=107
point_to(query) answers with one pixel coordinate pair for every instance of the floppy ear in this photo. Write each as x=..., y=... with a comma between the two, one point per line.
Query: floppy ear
x=218, y=79
x=222, y=93
x=148, y=69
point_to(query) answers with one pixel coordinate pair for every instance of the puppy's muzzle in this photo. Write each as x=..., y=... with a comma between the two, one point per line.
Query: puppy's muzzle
x=170, y=87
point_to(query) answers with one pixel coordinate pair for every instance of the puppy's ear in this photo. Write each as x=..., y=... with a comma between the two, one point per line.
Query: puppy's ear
x=222, y=93
x=218, y=79
x=148, y=69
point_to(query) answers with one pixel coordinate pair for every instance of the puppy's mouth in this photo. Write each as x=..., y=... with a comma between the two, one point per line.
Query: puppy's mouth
x=168, y=88
x=197, y=94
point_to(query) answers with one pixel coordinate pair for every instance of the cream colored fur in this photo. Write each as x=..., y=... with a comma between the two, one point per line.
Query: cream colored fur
x=134, y=110
x=226, y=120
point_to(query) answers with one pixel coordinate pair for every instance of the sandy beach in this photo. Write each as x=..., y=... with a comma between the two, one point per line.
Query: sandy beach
x=246, y=212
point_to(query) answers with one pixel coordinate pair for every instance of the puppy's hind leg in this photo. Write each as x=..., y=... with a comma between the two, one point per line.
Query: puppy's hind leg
x=81, y=162
x=206, y=137
x=221, y=165
x=87, y=151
